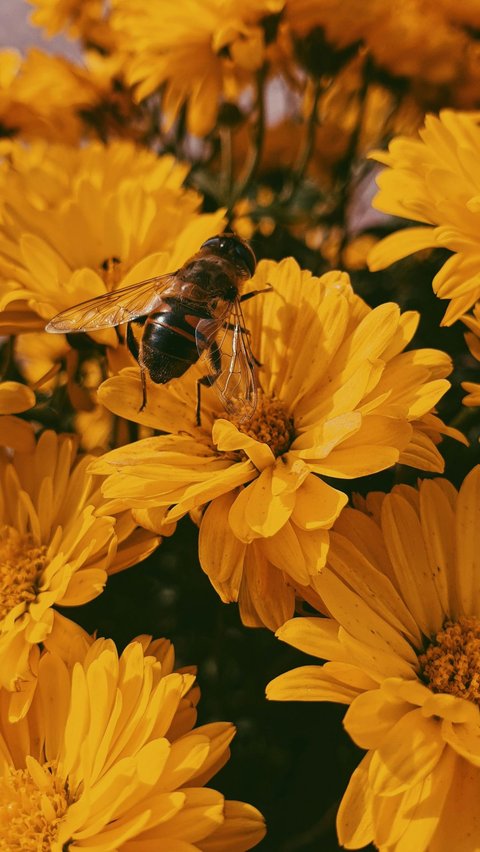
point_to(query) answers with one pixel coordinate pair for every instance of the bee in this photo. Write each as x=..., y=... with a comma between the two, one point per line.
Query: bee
x=182, y=316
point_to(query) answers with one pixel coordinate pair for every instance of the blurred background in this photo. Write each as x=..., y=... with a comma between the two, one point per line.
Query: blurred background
x=293, y=760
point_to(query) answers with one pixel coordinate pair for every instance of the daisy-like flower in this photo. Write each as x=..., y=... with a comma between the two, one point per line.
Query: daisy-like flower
x=122, y=209
x=338, y=398
x=108, y=758
x=403, y=649
x=58, y=544
x=79, y=223
x=435, y=180
x=418, y=39
x=41, y=96
x=84, y=19
x=193, y=51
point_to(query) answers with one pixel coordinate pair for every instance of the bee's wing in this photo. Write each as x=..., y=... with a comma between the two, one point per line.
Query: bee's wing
x=225, y=343
x=114, y=308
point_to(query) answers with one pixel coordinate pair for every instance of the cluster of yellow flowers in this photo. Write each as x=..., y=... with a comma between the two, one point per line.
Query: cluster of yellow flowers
x=116, y=172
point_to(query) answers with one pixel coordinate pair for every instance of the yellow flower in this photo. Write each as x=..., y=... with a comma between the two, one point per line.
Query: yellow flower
x=414, y=38
x=78, y=223
x=107, y=758
x=435, y=180
x=193, y=50
x=41, y=96
x=338, y=398
x=84, y=19
x=403, y=645
x=58, y=544
x=121, y=209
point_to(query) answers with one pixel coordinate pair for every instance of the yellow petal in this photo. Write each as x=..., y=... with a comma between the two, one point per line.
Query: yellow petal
x=354, y=817
x=264, y=590
x=17, y=434
x=317, y=504
x=315, y=636
x=409, y=752
x=221, y=553
x=309, y=683
x=257, y=512
x=467, y=536
x=228, y=439
x=15, y=397
x=243, y=828
x=398, y=245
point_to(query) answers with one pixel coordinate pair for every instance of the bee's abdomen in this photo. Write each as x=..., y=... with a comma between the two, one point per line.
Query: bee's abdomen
x=168, y=344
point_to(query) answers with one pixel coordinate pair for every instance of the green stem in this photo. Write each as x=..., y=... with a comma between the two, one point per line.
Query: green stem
x=303, y=159
x=226, y=162
x=345, y=166
x=256, y=148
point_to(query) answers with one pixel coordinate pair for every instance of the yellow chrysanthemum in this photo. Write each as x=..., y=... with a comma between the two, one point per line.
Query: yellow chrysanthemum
x=107, y=758
x=403, y=645
x=121, y=209
x=419, y=39
x=436, y=180
x=84, y=19
x=192, y=50
x=41, y=96
x=58, y=544
x=338, y=398
x=89, y=221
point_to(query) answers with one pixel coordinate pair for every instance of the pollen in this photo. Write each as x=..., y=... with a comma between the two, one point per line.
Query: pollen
x=31, y=808
x=270, y=424
x=451, y=663
x=21, y=565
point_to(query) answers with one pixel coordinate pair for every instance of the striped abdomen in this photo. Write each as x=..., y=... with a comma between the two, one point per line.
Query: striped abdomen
x=168, y=346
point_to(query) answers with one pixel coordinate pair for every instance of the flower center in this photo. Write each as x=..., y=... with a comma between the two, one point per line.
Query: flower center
x=270, y=424
x=111, y=272
x=21, y=565
x=452, y=661
x=31, y=808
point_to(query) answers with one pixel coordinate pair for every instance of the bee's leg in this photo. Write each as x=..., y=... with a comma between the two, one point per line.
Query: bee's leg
x=134, y=348
x=215, y=358
x=119, y=334
x=246, y=296
x=200, y=382
x=144, y=388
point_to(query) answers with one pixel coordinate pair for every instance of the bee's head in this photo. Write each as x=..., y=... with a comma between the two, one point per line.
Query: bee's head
x=235, y=249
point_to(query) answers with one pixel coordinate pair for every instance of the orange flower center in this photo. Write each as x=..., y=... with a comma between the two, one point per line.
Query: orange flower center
x=451, y=663
x=21, y=565
x=270, y=424
x=31, y=808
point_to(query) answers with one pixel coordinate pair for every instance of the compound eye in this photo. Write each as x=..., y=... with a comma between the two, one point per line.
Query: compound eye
x=214, y=242
x=233, y=248
x=246, y=255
